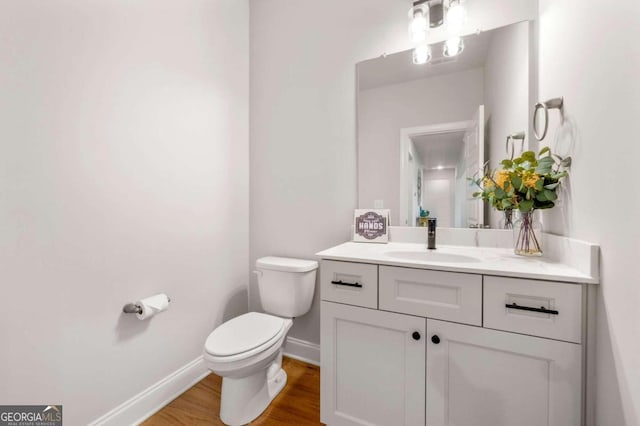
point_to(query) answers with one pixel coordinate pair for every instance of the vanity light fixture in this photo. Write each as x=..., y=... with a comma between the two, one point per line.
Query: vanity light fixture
x=425, y=14
x=422, y=54
x=418, y=22
x=456, y=17
x=452, y=47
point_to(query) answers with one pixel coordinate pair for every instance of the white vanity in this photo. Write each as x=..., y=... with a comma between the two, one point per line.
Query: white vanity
x=463, y=335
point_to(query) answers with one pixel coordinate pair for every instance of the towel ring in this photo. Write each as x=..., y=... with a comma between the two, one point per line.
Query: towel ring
x=555, y=103
x=512, y=137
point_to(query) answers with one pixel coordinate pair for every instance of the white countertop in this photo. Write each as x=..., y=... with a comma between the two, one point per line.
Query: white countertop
x=487, y=261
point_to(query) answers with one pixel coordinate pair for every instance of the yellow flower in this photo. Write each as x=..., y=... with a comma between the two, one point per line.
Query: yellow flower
x=487, y=183
x=501, y=177
x=530, y=180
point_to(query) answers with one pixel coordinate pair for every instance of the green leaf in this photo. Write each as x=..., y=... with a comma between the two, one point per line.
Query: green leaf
x=518, y=160
x=506, y=163
x=541, y=196
x=552, y=185
x=566, y=162
x=539, y=184
x=550, y=195
x=544, y=166
x=545, y=205
x=543, y=151
x=525, y=205
x=477, y=194
x=528, y=156
x=516, y=181
x=500, y=193
x=506, y=203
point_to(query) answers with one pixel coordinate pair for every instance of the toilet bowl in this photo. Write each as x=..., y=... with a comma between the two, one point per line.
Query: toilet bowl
x=247, y=350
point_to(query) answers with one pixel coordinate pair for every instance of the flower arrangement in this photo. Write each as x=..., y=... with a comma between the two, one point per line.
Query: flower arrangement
x=525, y=183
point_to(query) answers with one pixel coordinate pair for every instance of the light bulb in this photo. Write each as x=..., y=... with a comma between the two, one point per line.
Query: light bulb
x=422, y=54
x=456, y=15
x=418, y=24
x=452, y=47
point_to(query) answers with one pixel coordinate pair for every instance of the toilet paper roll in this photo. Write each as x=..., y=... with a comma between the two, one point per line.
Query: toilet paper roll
x=152, y=305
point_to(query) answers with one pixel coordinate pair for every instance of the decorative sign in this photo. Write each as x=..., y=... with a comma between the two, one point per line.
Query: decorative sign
x=371, y=226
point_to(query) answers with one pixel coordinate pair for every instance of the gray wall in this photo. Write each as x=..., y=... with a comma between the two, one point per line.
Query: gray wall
x=123, y=173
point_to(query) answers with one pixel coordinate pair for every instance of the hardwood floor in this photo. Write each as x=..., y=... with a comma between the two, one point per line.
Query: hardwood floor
x=298, y=404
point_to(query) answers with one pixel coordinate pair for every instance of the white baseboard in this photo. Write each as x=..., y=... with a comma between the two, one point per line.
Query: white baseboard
x=143, y=405
x=302, y=350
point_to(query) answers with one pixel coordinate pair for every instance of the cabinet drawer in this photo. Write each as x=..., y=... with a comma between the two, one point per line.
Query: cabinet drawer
x=448, y=296
x=564, y=301
x=350, y=283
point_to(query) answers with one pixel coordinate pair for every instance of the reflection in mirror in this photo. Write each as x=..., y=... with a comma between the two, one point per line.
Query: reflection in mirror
x=423, y=130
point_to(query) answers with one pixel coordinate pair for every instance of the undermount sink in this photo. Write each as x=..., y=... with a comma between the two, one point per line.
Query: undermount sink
x=431, y=256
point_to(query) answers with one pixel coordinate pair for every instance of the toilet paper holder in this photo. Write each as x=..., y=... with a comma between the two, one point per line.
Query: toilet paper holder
x=132, y=308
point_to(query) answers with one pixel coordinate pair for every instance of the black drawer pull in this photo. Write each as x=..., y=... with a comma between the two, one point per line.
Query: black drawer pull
x=541, y=309
x=340, y=282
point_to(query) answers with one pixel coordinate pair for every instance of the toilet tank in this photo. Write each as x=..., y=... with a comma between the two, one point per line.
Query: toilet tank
x=286, y=285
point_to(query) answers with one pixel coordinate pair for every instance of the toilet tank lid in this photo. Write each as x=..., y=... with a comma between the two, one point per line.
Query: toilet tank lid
x=286, y=264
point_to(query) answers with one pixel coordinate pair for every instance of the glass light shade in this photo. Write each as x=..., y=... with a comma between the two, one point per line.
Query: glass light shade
x=422, y=54
x=456, y=16
x=452, y=47
x=418, y=23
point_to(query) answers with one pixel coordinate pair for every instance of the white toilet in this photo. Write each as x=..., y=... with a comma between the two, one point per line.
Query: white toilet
x=247, y=350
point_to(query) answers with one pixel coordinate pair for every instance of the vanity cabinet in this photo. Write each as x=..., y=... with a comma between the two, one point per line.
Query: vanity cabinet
x=445, y=348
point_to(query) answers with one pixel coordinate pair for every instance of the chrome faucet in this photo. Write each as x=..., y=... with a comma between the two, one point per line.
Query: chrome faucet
x=431, y=233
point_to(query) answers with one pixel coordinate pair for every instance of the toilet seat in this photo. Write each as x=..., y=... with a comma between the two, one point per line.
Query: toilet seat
x=244, y=336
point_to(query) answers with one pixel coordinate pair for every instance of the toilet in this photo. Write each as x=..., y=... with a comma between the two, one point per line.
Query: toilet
x=247, y=350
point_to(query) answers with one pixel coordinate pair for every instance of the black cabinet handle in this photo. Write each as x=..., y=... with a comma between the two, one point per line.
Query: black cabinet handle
x=340, y=282
x=541, y=309
x=416, y=335
x=435, y=339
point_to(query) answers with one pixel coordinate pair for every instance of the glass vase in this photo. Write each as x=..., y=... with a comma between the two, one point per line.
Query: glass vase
x=527, y=235
x=506, y=222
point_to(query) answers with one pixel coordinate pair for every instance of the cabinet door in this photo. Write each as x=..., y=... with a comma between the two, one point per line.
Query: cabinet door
x=481, y=377
x=373, y=369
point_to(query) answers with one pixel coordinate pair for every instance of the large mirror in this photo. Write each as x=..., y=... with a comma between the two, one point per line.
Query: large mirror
x=423, y=130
